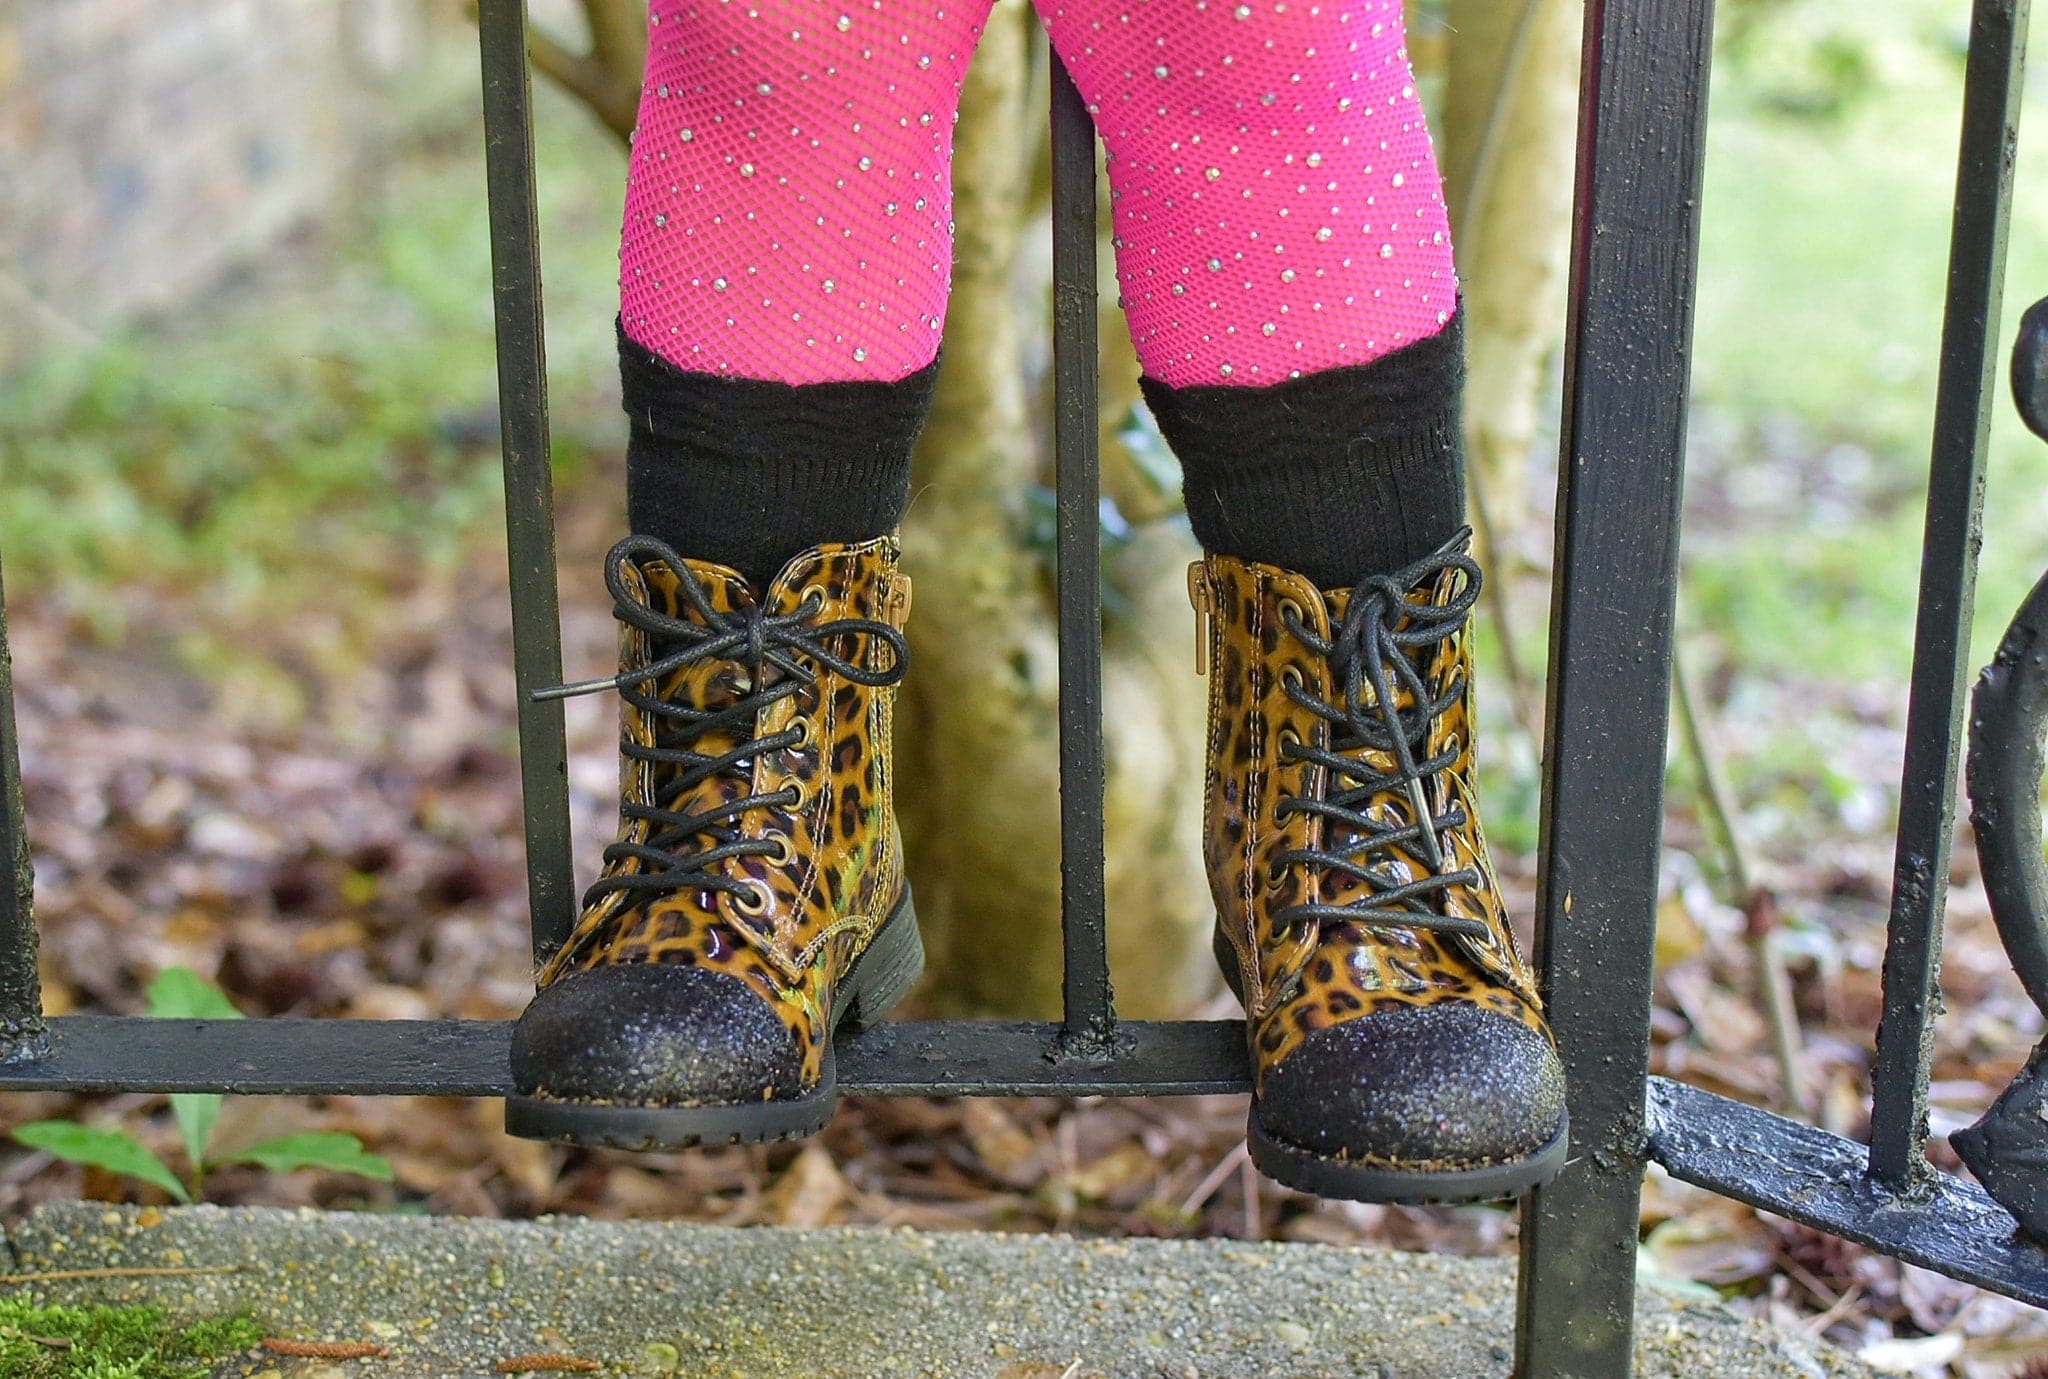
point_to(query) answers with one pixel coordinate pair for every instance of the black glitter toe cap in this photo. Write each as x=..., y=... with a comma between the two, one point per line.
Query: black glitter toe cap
x=653, y=1034
x=1443, y=1086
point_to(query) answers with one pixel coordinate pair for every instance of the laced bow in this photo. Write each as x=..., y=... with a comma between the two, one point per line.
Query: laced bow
x=1377, y=654
x=780, y=655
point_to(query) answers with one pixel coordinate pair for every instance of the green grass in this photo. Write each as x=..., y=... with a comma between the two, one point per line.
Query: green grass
x=39, y=1342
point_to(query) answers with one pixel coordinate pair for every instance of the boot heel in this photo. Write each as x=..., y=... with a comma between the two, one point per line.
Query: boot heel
x=1226, y=962
x=883, y=975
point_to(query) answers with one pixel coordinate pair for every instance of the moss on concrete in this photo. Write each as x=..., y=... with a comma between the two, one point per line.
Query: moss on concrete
x=42, y=1341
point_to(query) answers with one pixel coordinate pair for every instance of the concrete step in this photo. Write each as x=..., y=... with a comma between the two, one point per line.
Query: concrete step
x=452, y=1298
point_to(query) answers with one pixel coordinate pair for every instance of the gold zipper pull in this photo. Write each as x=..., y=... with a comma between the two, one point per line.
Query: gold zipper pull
x=896, y=602
x=1203, y=598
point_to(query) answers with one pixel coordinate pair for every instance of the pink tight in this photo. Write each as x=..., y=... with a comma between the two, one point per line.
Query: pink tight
x=788, y=214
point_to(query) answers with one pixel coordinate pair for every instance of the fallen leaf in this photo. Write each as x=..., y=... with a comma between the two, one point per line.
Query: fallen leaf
x=810, y=1191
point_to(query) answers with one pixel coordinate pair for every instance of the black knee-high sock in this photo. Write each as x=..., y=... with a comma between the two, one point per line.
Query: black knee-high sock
x=746, y=472
x=1338, y=474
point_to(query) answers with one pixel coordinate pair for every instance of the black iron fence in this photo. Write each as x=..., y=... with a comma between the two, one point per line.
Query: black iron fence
x=1634, y=246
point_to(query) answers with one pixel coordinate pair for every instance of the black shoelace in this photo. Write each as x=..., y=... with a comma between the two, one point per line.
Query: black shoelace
x=794, y=645
x=1382, y=645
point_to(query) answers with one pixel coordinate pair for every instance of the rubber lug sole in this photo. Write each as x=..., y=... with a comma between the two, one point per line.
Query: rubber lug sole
x=1324, y=1176
x=880, y=978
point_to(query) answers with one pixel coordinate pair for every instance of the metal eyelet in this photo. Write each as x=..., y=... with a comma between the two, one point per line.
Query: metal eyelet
x=1291, y=676
x=763, y=898
x=1288, y=605
x=812, y=600
x=802, y=798
x=785, y=851
x=802, y=728
x=1287, y=737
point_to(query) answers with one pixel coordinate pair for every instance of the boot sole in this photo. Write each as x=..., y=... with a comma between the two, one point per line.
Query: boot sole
x=1325, y=1175
x=880, y=978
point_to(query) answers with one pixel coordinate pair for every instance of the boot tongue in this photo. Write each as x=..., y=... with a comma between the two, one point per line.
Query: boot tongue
x=710, y=684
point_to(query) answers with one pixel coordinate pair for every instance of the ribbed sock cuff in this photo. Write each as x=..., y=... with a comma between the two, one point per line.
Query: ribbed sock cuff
x=749, y=472
x=1337, y=475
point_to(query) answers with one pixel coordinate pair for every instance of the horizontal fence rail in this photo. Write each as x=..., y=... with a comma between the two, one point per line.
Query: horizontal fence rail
x=1823, y=1181
x=296, y=1057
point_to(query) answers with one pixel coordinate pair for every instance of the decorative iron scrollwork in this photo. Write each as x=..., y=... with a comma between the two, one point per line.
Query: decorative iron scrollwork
x=2030, y=369
x=2008, y=1148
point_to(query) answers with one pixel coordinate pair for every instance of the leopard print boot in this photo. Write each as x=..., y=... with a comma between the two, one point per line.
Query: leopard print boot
x=1398, y=1043
x=754, y=903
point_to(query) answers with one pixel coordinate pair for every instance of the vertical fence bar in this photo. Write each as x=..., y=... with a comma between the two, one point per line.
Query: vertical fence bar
x=1635, y=239
x=1948, y=588
x=1090, y=1012
x=21, y=993
x=529, y=487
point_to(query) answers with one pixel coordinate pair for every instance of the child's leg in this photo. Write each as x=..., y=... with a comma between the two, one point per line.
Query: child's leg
x=782, y=280
x=1281, y=228
x=784, y=266
x=1283, y=254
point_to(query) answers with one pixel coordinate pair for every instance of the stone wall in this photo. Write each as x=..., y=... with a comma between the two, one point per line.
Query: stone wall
x=149, y=146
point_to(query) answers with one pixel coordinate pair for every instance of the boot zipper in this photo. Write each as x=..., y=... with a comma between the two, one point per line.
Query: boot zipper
x=1203, y=598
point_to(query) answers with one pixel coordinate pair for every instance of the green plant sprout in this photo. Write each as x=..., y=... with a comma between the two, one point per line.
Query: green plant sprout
x=179, y=994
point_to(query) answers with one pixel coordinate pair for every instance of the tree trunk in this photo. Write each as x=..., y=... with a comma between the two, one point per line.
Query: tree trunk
x=1509, y=132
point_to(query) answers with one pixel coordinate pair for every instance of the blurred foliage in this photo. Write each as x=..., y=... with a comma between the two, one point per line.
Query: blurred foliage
x=1823, y=261
x=334, y=414
x=1829, y=177
x=1802, y=59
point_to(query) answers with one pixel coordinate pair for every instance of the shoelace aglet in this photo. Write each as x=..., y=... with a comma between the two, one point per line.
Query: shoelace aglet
x=1425, y=827
x=550, y=693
